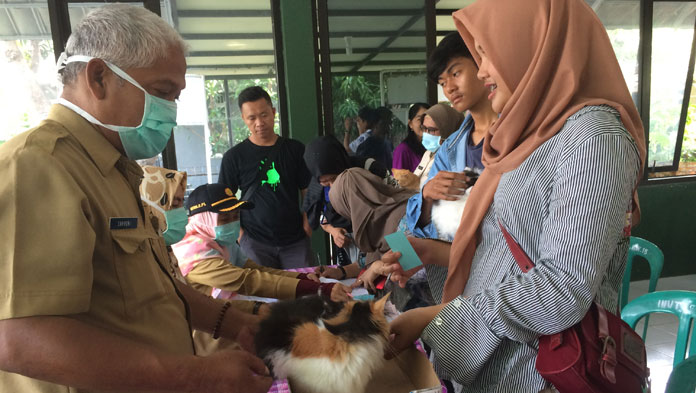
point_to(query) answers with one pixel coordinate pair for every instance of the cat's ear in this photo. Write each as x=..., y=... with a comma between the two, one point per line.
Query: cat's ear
x=378, y=305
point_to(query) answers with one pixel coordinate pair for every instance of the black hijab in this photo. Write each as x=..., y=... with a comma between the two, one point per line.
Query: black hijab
x=326, y=156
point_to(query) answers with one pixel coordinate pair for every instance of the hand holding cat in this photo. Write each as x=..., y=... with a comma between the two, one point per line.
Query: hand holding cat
x=446, y=186
x=233, y=372
x=408, y=327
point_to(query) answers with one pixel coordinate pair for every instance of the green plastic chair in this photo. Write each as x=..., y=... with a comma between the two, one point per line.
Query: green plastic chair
x=683, y=377
x=679, y=303
x=651, y=253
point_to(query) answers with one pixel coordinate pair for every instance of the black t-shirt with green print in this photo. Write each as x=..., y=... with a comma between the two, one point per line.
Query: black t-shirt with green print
x=271, y=177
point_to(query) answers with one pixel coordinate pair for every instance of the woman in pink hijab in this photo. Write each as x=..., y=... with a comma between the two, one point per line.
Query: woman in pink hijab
x=562, y=165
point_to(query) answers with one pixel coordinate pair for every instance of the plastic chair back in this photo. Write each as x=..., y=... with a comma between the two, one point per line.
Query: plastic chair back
x=679, y=303
x=652, y=253
x=683, y=377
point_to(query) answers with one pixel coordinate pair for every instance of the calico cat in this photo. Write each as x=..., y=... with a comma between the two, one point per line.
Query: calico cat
x=323, y=346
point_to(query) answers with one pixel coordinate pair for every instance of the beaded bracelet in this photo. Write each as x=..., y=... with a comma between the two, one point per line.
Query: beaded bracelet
x=343, y=270
x=218, y=324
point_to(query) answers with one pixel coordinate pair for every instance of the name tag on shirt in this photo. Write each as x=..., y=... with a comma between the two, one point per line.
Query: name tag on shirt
x=123, y=223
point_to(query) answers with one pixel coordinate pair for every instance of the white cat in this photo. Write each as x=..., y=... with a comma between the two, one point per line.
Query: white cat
x=446, y=215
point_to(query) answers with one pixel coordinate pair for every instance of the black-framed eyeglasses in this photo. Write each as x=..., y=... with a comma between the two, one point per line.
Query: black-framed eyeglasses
x=429, y=130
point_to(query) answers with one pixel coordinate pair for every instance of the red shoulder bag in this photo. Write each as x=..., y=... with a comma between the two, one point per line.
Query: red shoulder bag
x=600, y=354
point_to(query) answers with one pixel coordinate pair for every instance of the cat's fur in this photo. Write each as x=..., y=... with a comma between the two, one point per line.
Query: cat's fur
x=322, y=346
x=446, y=215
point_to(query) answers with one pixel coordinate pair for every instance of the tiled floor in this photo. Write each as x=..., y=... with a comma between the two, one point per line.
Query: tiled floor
x=662, y=329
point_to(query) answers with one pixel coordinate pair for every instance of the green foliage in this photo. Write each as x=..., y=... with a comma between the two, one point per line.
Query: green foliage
x=220, y=132
x=688, y=152
x=350, y=93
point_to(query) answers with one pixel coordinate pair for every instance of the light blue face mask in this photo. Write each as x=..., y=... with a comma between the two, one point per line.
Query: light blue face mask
x=227, y=234
x=176, y=223
x=430, y=142
x=151, y=136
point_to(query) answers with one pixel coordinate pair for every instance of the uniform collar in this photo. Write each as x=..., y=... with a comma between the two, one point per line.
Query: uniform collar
x=102, y=153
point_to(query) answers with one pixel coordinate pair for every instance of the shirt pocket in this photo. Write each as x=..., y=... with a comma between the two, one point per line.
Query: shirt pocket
x=139, y=275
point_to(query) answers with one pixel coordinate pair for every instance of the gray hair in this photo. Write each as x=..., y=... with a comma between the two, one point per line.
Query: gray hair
x=125, y=35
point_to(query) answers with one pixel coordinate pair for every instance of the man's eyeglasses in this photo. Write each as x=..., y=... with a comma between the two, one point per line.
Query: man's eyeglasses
x=429, y=130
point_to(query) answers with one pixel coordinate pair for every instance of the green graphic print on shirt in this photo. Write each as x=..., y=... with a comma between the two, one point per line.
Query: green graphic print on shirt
x=272, y=175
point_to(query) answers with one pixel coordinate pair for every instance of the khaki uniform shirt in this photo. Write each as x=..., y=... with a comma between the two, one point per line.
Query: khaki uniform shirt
x=67, y=247
x=252, y=279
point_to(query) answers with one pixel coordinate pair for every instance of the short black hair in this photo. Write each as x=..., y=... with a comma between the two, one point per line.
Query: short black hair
x=369, y=116
x=450, y=47
x=251, y=94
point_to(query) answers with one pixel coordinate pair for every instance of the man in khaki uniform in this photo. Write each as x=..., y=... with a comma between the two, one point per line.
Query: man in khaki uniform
x=85, y=301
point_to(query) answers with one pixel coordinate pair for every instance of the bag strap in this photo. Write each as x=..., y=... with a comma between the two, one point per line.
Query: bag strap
x=523, y=261
x=608, y=362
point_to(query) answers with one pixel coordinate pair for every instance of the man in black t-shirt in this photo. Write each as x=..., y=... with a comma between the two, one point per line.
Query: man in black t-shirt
x=271, y=173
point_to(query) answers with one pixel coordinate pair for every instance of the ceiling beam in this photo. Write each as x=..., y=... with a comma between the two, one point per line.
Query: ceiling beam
x=373, y=34
x=409, y=23
x=214, y=53
x=225, y=13
x=445, y=11
x=376, y=12
x=269, y=52
x=355, y=64
x=417, y=63
x=228, y=66
x=228, y=36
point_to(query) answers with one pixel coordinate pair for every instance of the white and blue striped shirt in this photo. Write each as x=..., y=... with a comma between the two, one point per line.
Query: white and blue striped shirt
x=566, y=205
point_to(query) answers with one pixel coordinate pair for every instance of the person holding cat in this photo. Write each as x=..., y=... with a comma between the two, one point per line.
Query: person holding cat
x=361, y=193
x=562, y=166
x=213, y=263
x=451, y=65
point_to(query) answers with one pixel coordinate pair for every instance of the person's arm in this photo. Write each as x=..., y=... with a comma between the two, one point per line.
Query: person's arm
x=219, y=273
x=305, y=221
x=579, y=236
x=430, y=252
x=249, y=264
x=339, y=235
x=68, y=352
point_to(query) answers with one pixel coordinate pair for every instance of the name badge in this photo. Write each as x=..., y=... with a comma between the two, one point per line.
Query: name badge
x=123, y=223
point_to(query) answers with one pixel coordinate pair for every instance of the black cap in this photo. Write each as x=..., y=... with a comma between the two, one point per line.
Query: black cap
x=217, y=198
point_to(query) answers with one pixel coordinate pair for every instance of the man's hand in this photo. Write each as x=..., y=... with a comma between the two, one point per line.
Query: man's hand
x=447, y=186
x=233, y=372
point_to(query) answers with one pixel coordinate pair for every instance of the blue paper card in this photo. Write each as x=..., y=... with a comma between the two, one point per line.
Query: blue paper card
x=397, y=242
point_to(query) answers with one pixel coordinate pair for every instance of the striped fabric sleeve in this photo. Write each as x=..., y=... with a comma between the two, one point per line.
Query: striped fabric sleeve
x=572, y=244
